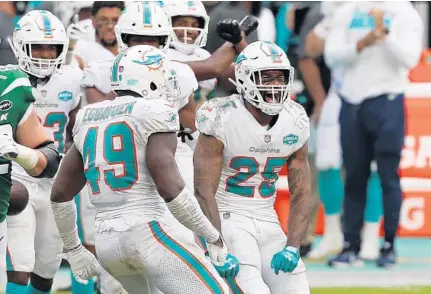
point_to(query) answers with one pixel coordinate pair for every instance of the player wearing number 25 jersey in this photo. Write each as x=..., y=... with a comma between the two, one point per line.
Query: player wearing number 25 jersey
x=40, y=44
x=125, y=151
x=245, y=140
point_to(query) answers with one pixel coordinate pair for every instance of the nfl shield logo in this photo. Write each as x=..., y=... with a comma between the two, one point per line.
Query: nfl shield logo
x=121, y=68
x=267, y=138
x=43, y=93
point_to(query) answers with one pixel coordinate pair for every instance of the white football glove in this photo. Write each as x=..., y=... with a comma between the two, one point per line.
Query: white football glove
x=8, y=146
x=11, y=150
x=76, y=31
x=217, y=254
x=83, y=263
x=226, y=264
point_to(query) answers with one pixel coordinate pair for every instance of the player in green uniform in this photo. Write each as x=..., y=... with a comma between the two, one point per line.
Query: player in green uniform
x=22, y=139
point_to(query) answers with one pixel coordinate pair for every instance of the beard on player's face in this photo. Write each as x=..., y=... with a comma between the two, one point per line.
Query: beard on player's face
x=108, y=43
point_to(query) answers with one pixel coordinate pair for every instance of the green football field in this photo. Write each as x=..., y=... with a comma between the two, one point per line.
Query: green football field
x=411, y=290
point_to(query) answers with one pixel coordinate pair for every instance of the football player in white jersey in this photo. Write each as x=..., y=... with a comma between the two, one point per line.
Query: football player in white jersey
x=190, y=22
x=40, y=45
x=147, y=23
x=245, y=140
x=124, y=150
x=105, y=15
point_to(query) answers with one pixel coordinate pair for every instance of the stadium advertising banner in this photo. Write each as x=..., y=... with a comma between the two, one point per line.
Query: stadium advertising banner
x=415, y=169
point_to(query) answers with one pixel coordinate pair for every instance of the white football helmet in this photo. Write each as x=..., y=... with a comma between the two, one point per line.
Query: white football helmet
x=256, y=58
x=39, y=27
x=188, y=8
x=143, y=19
x=146, y=71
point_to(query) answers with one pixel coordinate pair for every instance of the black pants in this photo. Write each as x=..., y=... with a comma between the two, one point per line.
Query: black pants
x=371, y=130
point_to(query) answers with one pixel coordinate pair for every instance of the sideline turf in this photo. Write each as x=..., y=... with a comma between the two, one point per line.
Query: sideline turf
x=397, y=290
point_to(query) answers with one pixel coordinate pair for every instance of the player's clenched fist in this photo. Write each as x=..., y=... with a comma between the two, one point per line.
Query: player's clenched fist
x=83, y=263
x=229, y=30
x=286, y=260
x=226, y=264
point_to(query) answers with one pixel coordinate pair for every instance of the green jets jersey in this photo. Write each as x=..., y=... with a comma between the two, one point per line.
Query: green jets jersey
x=15, y=99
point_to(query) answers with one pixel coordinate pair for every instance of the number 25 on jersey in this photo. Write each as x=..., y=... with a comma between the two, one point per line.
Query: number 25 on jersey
x=237, y=183
x=117, y=151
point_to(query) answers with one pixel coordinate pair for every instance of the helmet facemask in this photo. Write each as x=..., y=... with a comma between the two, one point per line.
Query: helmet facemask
x=41, y=67
x=185, y=38
x=266, y=88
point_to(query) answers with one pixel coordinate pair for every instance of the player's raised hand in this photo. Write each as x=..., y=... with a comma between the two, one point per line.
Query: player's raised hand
x=248, y=24
x=75, y=31
x=83, y=263
x=225, y=263
x=229, y=30
x=286, y=260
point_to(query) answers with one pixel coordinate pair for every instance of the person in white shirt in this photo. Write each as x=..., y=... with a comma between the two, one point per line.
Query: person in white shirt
x=328, y=156
x=376, y=43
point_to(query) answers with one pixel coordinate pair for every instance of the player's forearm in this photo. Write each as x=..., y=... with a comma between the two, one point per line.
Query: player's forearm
x=223, y=80
x=40, y=165
x=65, y=218
x=300, y=204
x=34, y=161
x=208, y=204
x=220, y=61
x=187, y=116
x=186, y=210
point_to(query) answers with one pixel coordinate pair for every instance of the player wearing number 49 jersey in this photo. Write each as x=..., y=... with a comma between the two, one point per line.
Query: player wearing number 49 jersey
x=245, y=140
x=125, y=151
x=40, y=44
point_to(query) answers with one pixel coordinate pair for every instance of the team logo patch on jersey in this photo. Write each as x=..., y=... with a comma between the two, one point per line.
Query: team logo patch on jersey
x=290, y=139
x=5, y=105
x=201, y=118
x=267, y=138
x=65, y=96
x=172, y=117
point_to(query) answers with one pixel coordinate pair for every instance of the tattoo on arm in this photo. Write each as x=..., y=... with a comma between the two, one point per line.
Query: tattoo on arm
x=207, y=161
x=299, y=179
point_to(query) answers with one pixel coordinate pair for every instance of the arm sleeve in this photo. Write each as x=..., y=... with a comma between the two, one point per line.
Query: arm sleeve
x=404, y=40
x=338, y=50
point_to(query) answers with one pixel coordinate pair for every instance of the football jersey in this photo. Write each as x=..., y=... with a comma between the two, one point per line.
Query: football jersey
x=97, y=75
x=253, y=155
x=91, y=51
x=112, y=137
x=197, y=55
x=54, y=100
x=16, y=100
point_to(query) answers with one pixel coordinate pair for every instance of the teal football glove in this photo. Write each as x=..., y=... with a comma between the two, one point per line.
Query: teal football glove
x=230, y=268
x=226, y=264
x=286, y=260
